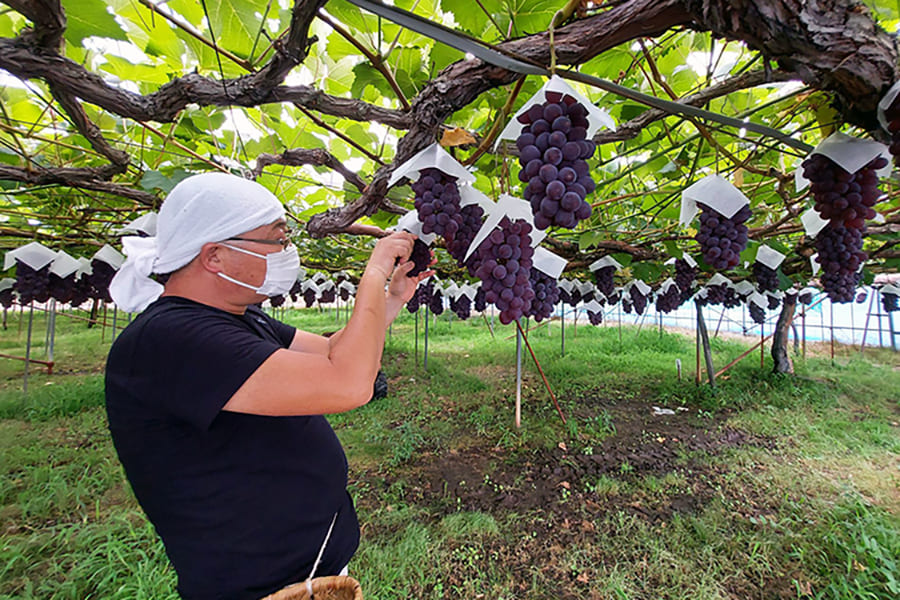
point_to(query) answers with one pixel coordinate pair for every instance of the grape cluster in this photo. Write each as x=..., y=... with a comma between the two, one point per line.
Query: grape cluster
x=344, y=293
x=721, y=294
x=82, y=291
x=721, y=238
x=861, y=297
x=840, y=255
x=685, y=275
x=604, y=278
x=596, y=318
x=435, y=301
x=101, y=275
x=546, y=295
x=309, y=296
x=277, y=300
x=328, y=295
x=32, y=285
x=843, y=198
x=461, y=306
x=766, y=277
x=626, y=305
x=669, y=300
x=805, y=298
x=296, y=290
x=480, y=301
x=420, y=256
x=6, y=297
x=553, y=153
x=888, y=302
x=638, y=300
x=564, y=296
x=437, y=202
x=615, y=296
x=774, y=301
x=757, y=313
x=503, y=263
x=458, y=244
x=61, y=288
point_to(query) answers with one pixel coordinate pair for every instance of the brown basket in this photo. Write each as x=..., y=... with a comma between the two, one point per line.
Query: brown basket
x=336, y=587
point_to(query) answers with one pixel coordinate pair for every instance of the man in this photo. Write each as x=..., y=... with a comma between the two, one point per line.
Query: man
x=215, y=408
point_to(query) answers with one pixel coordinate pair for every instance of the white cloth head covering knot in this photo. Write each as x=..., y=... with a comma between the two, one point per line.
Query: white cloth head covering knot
x=210, y=207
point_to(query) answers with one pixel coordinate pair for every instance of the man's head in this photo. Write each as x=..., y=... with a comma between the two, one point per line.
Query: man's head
x=210, y=208
x=201, y=210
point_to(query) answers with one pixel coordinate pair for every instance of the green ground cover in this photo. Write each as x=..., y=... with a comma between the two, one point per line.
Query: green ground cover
x=766, y=487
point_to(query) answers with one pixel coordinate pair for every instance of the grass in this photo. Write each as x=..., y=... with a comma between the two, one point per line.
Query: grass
x=811, y=511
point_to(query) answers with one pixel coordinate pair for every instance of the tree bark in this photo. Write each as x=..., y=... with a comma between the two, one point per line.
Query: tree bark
x=780, y=355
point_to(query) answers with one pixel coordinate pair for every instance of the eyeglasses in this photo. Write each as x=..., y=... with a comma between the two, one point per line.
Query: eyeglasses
x=283, y=242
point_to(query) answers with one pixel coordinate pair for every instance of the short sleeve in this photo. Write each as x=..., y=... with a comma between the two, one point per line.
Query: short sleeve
x=201, y=359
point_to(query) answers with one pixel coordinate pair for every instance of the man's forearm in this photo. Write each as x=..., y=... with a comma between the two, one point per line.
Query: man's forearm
x=392, y=307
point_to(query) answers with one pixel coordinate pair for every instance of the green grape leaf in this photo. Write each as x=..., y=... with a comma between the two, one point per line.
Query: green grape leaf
x=86, y=18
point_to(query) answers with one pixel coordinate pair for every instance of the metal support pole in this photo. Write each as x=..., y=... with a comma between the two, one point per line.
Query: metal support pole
x=562, y=329
x=425, y=353
x=52, y=327
x=28, y=348
x=862, y=344
x=831, y=327
x=417, y=337
x=518, y=377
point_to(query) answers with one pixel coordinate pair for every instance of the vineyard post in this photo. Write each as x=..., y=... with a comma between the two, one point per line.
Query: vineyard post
x=48, y=323
x=52, y=328
x=659, y=315
x=697, y=348
x=704, y=338
x=28, y=348
x=831, y=328
x=417, y=337
x=862, y=344
x=619, y=320
x=880, y=328
x=21, y=317
x=562, y=330
x=890, y=316
x=803, y=329
x=518, y=377
x=4, y=318
x=762, y=345
x=425, y=349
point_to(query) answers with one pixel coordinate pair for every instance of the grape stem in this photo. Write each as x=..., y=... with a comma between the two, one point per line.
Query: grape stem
x=541, y=371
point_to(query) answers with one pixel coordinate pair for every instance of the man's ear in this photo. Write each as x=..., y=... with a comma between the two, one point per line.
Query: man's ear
x=210, y=258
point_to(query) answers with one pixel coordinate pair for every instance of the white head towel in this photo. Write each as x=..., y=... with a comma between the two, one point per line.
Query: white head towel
x=210, y=207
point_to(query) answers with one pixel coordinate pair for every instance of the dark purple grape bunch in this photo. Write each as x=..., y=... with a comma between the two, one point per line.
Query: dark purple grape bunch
x=766, y=277
x=564, y=295
x=595, y=317
x=421, y=297
x=669, y=299
x=757, y=313
x=344, y=293
x=277, y=300
x=62, y=289
x=888, y=301
x=32, y=284
x=721, y=294
x=436, y=301
x=296, y=290
x=461, y=306
x=840, y=256
x=721, y=238
x=503, y=263
x=615, y=297
x=842, y=198
x=604, y=280
x=805, y=298
x=773, y=301
x=685, y=275
x=638, y=299
x=100, y=277
x=81, y=291
x=420, y=256
x=458, y=244
x=553, y=154
x=309, y=296
x=328, y=295
x=437, y=202
x=480, y=301
x=546, y=295
x=6, y=297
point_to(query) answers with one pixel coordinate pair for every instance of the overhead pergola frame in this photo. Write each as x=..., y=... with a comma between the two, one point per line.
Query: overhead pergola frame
x=829, y=45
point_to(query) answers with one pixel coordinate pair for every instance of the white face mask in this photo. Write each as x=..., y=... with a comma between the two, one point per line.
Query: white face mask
x=282, y=269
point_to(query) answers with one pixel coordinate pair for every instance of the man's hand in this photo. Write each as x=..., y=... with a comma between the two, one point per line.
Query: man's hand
x=389, y=251
x=403, y=286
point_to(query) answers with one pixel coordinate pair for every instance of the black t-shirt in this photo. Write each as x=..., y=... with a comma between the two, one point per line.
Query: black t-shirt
x=241, y=502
